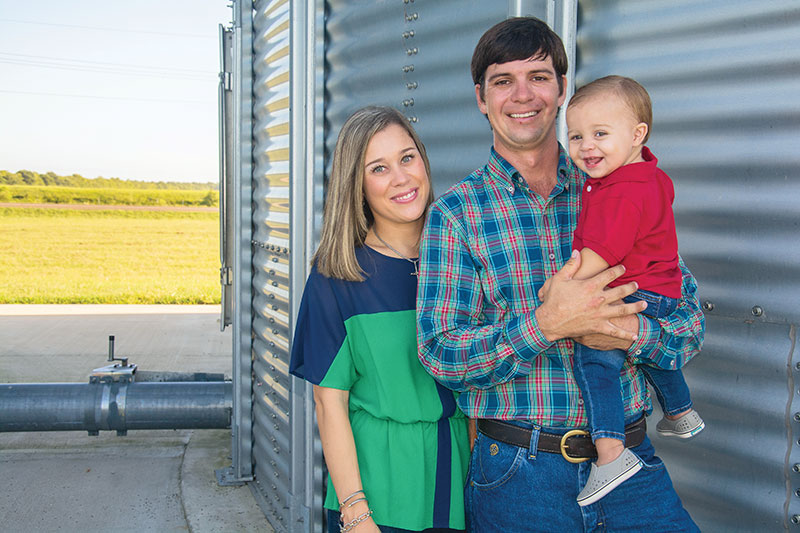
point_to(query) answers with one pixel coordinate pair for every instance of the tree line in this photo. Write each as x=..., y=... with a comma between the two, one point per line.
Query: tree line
x=29, y=177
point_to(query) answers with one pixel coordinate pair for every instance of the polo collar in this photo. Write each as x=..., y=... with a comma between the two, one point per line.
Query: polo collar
x=641, y=172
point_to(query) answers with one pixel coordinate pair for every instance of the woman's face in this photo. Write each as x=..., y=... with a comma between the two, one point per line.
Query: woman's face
x=396, y=185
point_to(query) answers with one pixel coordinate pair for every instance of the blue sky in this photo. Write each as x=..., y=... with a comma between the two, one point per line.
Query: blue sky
x=111, y=88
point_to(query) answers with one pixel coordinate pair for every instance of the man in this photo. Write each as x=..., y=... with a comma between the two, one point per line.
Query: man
x=489, y=244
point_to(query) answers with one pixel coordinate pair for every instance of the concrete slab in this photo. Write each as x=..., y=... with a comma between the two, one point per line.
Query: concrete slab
x=145, y=481
x=63, y=343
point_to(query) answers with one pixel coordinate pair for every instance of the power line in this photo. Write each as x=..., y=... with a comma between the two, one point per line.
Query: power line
x=101, y=28
x=110, y=70
x=70, y=60
x=98, y=97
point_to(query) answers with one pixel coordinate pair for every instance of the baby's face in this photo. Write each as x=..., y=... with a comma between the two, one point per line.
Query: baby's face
x=603, y=135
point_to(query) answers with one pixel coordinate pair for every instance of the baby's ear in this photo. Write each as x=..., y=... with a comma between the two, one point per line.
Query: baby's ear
x=640, y=133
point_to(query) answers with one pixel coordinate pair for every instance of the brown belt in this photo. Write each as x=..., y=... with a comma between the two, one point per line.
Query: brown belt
x=575, y=446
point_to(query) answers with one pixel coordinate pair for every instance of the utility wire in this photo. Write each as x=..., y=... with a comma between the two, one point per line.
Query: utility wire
x=101, y=28
x=101, y=70
x=98, y=97
x=105, y=63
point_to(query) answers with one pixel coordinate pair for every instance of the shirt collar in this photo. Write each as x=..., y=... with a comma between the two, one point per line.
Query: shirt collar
x=508, y=177
x=635, y=172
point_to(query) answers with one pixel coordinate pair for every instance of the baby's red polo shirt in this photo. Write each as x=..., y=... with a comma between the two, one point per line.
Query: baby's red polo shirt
x=626, y=217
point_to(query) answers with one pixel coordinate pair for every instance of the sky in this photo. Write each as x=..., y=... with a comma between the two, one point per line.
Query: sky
x=111, y=88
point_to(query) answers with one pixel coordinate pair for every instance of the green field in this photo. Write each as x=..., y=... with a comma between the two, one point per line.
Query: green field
x=50, y=194
x=106, y=256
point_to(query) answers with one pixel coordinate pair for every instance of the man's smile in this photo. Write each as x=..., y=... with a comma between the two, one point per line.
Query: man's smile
x=524, y=115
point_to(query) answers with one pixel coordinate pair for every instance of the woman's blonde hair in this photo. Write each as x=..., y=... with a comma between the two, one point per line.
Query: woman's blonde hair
x=347, y=216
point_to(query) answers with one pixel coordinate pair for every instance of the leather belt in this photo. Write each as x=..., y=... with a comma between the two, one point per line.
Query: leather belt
x=575, y=446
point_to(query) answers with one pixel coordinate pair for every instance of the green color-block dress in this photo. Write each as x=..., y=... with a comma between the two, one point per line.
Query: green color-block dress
x=411, y=439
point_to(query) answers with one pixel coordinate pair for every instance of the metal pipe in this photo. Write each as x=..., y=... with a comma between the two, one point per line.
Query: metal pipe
x=115, y=406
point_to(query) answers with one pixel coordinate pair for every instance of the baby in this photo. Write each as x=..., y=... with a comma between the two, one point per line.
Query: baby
x=626, y=218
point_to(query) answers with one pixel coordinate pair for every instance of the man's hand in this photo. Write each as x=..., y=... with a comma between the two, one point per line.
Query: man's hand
x=602, y=342
x=576, y=308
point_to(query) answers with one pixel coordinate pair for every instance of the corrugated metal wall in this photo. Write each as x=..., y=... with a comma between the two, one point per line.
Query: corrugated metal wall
x=272, y=442
x=413, y=56
x=724, y=76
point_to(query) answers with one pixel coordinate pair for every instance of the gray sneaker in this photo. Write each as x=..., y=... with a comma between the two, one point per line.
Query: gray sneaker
x=603, y=479
x=684, y=427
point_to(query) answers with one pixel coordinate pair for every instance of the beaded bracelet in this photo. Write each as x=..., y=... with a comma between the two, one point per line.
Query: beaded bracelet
x=344, y=528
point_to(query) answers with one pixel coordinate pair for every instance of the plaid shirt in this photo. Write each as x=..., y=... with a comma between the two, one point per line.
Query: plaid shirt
x=488, y=246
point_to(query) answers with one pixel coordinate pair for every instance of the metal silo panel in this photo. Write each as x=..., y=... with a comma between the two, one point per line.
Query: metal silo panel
x=413, y=56
x=239, y=162
x=271, y=303
x=723, y=76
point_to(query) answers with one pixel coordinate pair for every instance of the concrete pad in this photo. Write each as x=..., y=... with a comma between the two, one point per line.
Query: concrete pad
x=208, y=506
x=159, y=480
x=63, y=343
x=73, y=482
x=145, y=481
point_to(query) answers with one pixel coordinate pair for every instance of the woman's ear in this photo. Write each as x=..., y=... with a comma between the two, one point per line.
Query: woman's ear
x=640, y=133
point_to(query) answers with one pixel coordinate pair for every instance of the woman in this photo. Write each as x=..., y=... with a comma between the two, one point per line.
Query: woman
x=393, y=439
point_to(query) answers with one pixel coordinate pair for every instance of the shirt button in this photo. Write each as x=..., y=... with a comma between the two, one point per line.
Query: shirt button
x=580, y=401
x=552, y=256
x=638, y=352
x=588, y=188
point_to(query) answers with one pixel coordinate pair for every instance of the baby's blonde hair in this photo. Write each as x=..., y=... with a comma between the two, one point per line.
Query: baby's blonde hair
x=630, y=91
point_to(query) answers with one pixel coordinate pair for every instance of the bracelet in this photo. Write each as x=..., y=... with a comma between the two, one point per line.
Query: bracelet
x=356, y=501
x=344, y=528
x=341, y=503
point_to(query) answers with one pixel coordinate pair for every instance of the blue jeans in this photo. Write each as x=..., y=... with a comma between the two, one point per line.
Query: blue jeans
x=597, y=375
x=513, y=489
x=333, y=526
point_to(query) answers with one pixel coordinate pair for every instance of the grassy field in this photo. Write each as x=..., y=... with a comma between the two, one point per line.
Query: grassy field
x=108, y=256
x=106, y=196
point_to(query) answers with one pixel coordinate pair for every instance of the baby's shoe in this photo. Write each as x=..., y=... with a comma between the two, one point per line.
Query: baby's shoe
x=603, y=479
x=684, y=427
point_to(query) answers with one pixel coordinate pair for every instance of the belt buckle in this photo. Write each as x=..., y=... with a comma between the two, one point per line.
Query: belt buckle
x=563, y=445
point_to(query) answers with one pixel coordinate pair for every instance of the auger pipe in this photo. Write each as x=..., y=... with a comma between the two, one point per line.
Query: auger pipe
x=116, y=406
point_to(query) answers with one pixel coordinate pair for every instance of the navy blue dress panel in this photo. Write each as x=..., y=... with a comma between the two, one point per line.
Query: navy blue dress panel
x=328, y=303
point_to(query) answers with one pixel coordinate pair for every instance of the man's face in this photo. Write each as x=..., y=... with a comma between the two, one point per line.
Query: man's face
x=521, y=99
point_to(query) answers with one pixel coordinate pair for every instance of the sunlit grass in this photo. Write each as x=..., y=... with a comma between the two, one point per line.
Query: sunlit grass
x=121, y=257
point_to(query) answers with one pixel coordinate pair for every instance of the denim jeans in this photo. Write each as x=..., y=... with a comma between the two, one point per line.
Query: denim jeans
x=333, y=526
x=597, y=375
x=516, y=490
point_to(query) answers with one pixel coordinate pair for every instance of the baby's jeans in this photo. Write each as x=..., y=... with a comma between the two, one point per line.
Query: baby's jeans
x=597, y=375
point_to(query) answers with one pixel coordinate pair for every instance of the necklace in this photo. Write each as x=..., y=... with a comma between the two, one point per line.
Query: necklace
x=414, y=262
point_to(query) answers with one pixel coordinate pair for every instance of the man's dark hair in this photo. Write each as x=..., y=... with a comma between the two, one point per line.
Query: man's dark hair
x=515, y=39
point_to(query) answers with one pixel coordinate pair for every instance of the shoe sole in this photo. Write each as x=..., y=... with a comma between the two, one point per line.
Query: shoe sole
x=687, y=435
x=624, y=476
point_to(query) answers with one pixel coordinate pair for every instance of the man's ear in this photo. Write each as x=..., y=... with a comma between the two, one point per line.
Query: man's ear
x=639, y=133
x=563, y=96
x=480, y=100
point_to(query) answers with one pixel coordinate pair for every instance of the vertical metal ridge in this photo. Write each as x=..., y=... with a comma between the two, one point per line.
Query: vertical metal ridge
x=273, y=129
x=242, y=438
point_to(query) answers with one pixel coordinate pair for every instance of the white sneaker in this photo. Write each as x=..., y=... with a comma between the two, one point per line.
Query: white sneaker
x=684, y=427
x=603, y=479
